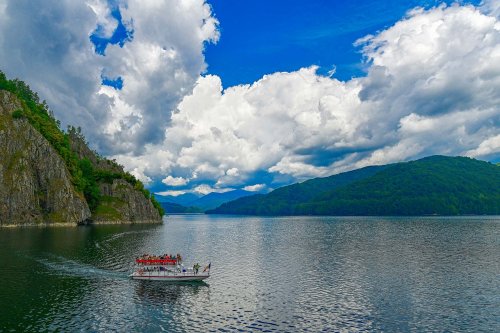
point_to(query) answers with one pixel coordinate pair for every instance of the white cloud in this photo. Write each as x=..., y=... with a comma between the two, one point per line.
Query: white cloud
x=487, y=147
x=255, y=188
x=159, y=67
x=173, y=193
x=175, y=181
x=206, y=189
x=139, y=174
x=491, y=7
x=432, y=87
x=105, y=21
x=47, y=44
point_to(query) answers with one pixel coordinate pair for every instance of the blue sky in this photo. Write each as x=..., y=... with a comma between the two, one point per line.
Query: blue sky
x=263, y=37
x=214, y=95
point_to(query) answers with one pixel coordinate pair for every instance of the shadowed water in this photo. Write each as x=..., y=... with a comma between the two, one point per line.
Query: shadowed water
x=287, y=274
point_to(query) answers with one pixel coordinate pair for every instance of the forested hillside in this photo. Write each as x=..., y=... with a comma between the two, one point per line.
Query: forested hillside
x=433, y=185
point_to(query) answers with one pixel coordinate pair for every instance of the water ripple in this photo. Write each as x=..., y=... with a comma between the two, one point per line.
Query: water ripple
x=268, y=275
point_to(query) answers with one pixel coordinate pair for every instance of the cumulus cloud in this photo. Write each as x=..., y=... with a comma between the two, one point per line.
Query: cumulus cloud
x=487, y=147
x=206, y=189
x=174, y=193
x=432, y=87
x=106, y=23
x=255, y=188
x=174, y=181
x=47, y=44
x=491, y=7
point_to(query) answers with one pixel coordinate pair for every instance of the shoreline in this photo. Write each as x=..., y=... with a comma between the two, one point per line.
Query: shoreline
x=73, y=225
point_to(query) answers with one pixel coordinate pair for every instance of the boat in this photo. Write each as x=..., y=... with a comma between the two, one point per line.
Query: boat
x=167, y=268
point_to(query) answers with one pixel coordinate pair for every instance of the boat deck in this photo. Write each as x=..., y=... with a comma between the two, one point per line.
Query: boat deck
x=169, y=276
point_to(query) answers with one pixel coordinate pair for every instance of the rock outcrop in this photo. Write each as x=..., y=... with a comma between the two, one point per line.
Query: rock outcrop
x=35, y=186
x=122, y=203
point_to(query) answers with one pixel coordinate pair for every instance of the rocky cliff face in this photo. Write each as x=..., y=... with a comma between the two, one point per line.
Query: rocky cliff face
x=35, y=186
x=121, y=202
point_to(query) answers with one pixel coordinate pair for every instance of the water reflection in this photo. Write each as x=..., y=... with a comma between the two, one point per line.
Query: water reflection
x=268, y=274
x=160, y=293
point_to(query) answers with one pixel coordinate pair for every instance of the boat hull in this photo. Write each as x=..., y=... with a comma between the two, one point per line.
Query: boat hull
x=169, y=278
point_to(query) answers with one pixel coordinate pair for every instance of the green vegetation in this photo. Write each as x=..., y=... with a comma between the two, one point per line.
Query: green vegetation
x=18, y=114
x=84, y=175
x=284, y=200
x=433, y=185
x=90, y=186
x=108, y=208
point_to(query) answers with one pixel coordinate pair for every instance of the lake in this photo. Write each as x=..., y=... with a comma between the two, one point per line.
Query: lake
x=284, y=274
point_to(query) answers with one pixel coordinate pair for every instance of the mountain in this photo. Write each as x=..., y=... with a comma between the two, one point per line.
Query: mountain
x=48, y=176
x=194, y=203
x=184, y=199
x=173, y=208
x=434, y=185
x=283, y=200
x=213, y=200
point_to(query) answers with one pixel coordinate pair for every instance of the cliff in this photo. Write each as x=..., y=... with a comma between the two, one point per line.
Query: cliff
x=35, y=185
x=51, y=177
x=121, y=202
x=122, y=198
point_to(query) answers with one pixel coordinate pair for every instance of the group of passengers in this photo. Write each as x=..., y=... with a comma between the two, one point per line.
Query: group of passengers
x=165, y=256
x=178, y=269
x=155, y=269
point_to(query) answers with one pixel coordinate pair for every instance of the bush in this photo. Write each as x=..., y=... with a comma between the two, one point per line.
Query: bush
x=18, y=114
x=90, y=187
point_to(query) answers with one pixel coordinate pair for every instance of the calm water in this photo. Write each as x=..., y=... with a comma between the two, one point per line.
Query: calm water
x=268, y=274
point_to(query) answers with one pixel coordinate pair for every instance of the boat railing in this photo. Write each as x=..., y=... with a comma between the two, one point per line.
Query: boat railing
x=148, y=262
x=155, y=272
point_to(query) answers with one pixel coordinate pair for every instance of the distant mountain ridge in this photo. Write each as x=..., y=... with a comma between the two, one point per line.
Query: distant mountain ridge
x=182, y=199
x=433, y=185
x=173, y=208
x=214, y=199
x=189, y=202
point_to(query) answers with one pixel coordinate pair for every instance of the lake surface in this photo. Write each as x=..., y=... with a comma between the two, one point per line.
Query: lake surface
x=286, y=274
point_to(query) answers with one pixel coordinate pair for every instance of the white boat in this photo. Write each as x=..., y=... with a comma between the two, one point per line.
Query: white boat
x=169, y=276
x=170, y=269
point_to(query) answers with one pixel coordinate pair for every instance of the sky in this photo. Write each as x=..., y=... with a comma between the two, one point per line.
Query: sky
x=209, y=96
x=295, y=34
